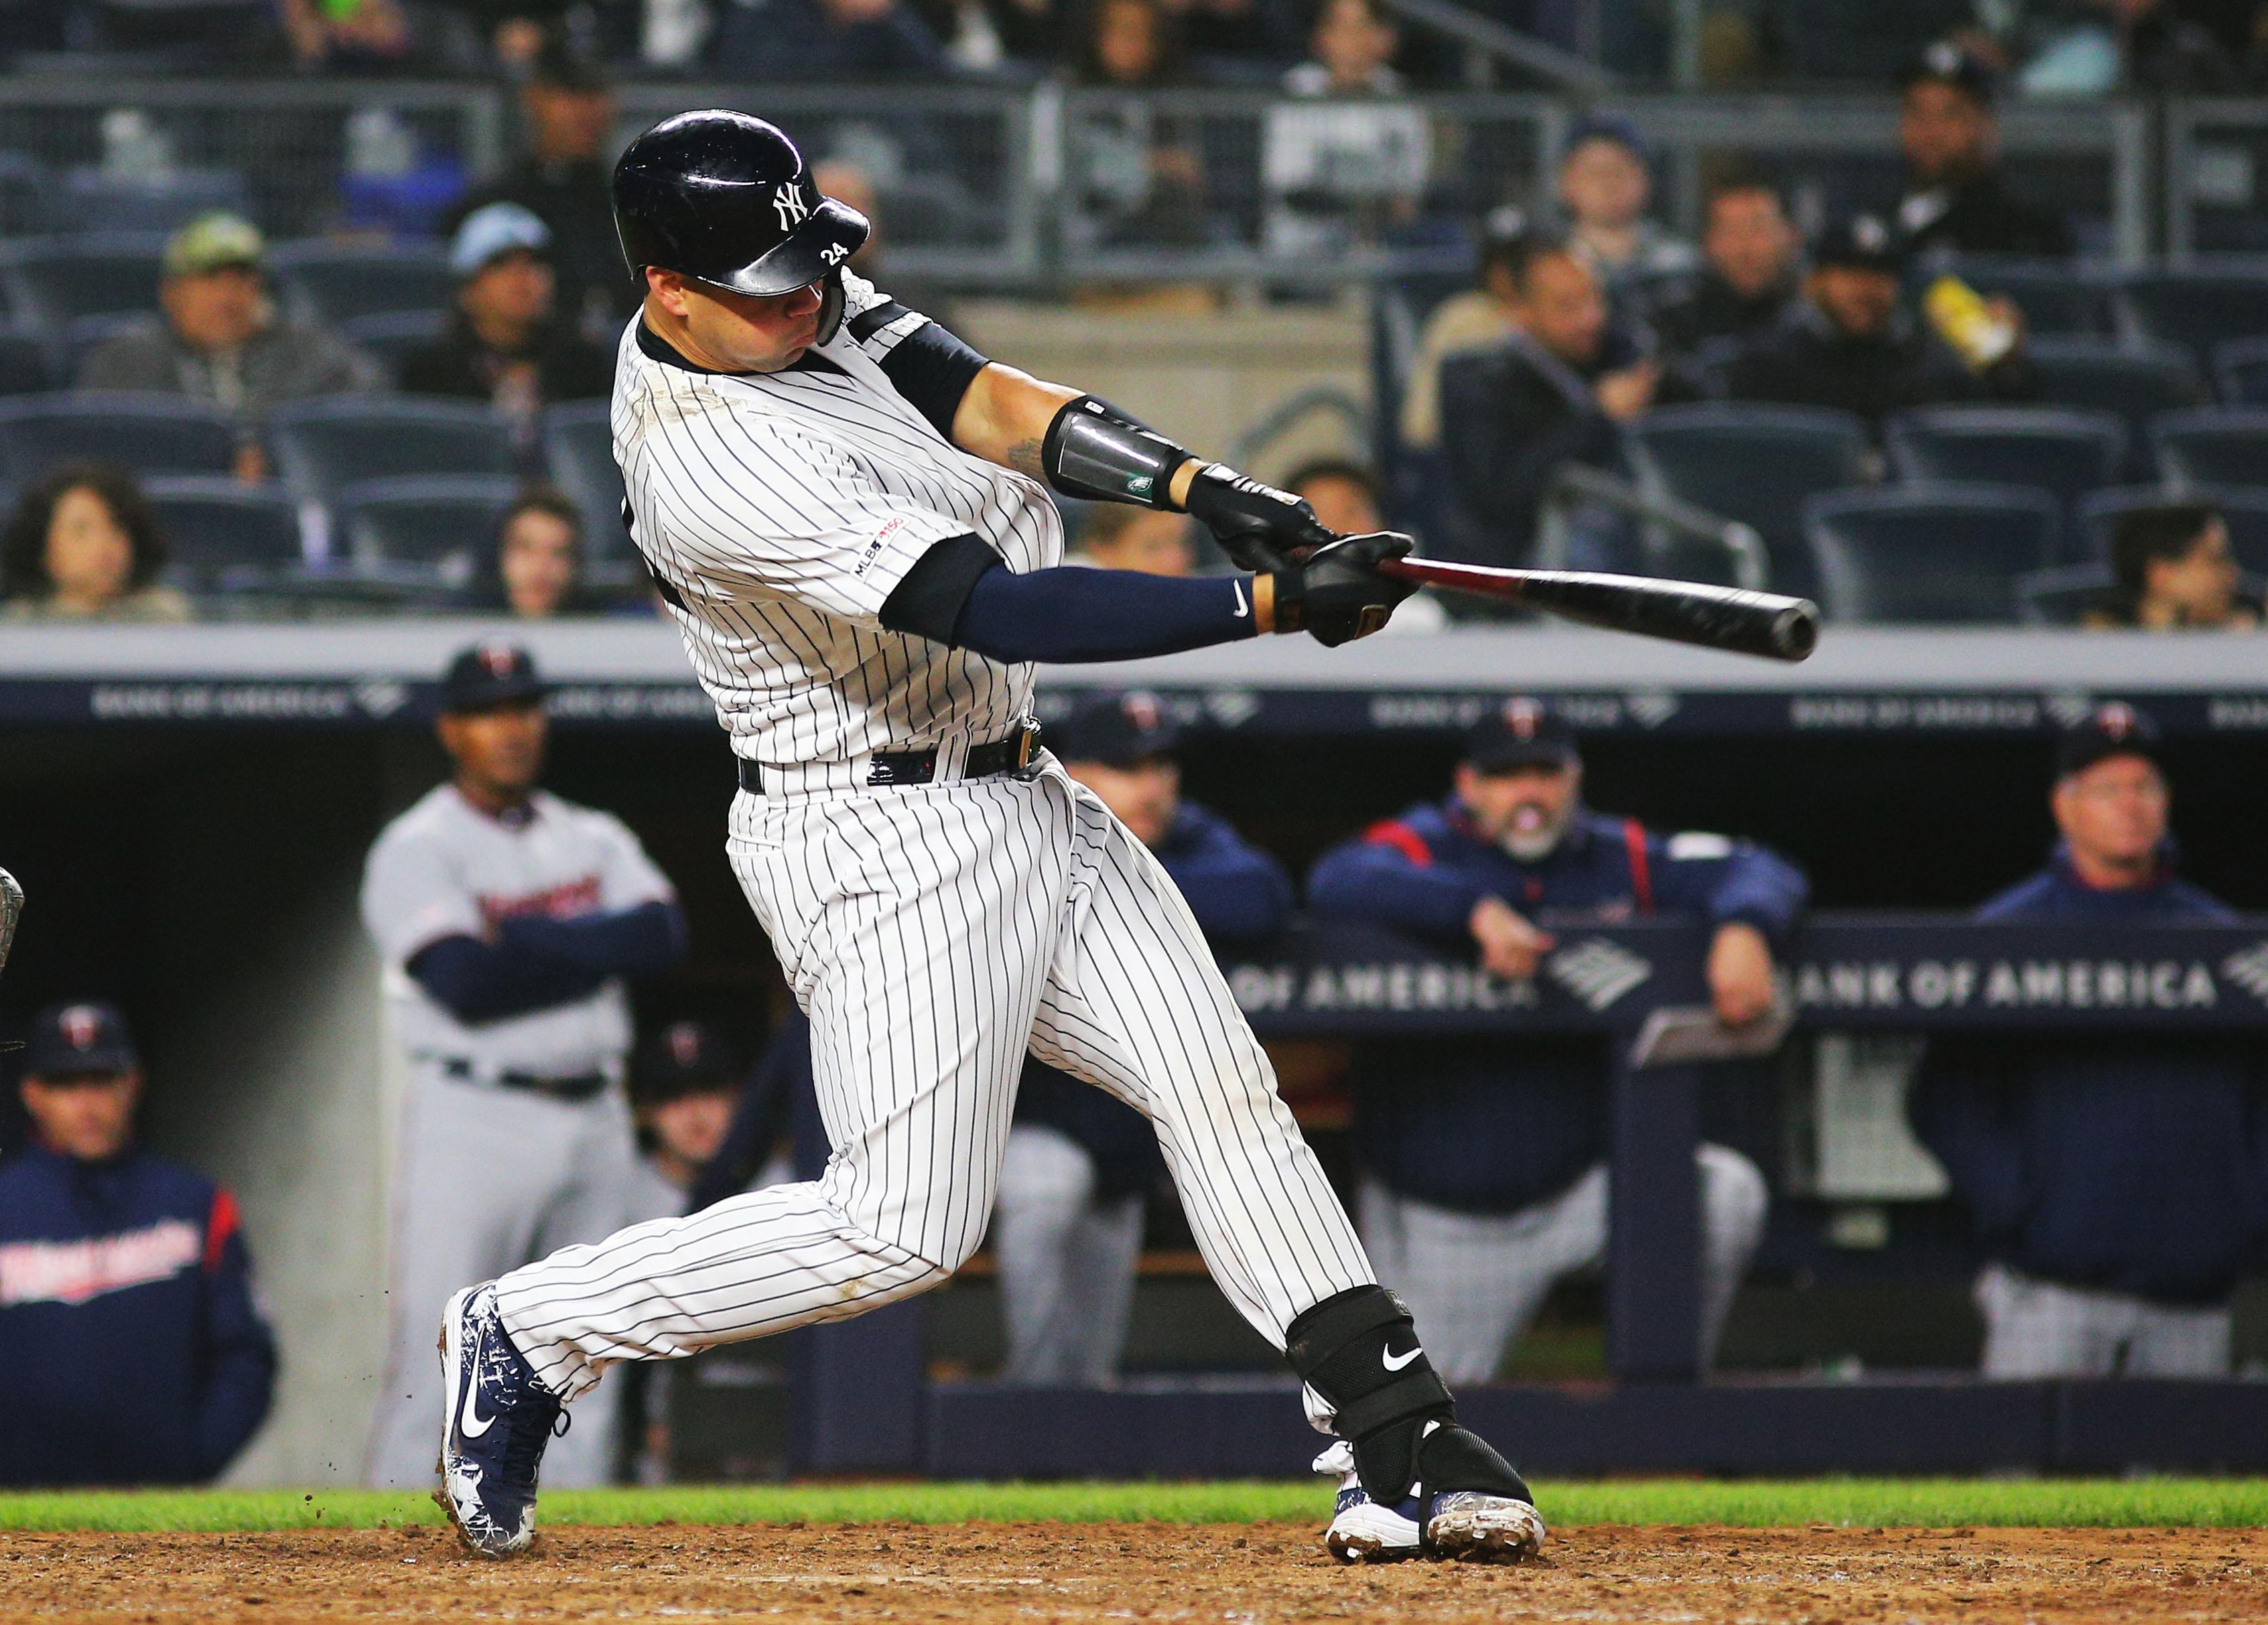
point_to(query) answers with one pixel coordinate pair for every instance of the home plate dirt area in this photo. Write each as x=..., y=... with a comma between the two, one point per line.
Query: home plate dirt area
x=1243, y=1573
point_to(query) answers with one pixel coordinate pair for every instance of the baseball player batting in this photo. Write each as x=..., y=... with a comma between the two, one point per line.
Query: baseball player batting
x=846, y=509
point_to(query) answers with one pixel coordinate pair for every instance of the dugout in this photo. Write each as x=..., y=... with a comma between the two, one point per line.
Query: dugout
x=188, y=809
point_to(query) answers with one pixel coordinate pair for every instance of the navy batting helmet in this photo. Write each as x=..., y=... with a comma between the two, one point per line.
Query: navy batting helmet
x=725, y=199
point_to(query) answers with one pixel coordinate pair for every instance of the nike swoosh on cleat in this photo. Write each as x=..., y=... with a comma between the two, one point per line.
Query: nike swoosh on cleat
x=1395, y=1362
x=470, y=1423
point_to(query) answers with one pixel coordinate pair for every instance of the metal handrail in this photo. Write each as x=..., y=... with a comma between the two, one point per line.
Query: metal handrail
x=1576, y=484
x=1491, y=38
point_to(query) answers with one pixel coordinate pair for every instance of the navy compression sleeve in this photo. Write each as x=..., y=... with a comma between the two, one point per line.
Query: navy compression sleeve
x=476, y=981
x=627, y=942
x=959, y=594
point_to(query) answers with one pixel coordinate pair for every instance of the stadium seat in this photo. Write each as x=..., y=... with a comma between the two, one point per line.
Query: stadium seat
x=26, y=196
x=223, y=535
x=2225, y=446
x=2057, y=299
x=2241, y=372
x=433, y=526
x=2199, y=305
x=322, y=446
x=338, y=282
x=390, y=335
x=579, y=450
x=163, y=203
x=147, y=433
x=1757, y=464
x=27, y=364
x=59, y=279
x=2061, y=596
x=2246, y=511
x=1944, y=553
x=2135, y=381
x=2058, y=450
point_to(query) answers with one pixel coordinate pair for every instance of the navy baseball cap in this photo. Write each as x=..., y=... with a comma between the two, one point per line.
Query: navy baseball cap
x=2113, y=730
x=489, y=676
x=73, y=1040
x=1116, y=729
x=682, y=1058
x=1522, y=732
x=1607, y=127
x=1858, y=242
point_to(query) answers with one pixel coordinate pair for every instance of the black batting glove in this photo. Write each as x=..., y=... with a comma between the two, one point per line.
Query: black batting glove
x=1258, y=526
x=1336, y=593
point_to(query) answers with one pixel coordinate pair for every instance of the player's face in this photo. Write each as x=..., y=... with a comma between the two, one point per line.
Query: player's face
x=86, y=1118
x=2114, y=814
x=1524, y=810
x=1144, y=796
x=498, y=753
x=1748, y=241
x=537, y=560
x=732, y=332
x=1944, y=132
x=692, y=1127
x=88, y=557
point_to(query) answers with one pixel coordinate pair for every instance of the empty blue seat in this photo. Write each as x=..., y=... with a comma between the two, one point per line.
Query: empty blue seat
x=26, y=196
x=390, y=335
x=579, y=451
x=2246, y=512
x=2199, y=306
x=27, y=364
x=2059, y=450
x=58, y=279
x=2057, y=298
x=322, y=446
x=337, y=281
x=2219, y=445
x=160, y=203
x=1938, y=554
x=147, y=433
x=433, y=526
x=1757, y=464
x=2135, y=381
x=222, y=535
x=2241, y=372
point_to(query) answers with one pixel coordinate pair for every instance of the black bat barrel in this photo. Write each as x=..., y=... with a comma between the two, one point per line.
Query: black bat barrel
x=1751, y=624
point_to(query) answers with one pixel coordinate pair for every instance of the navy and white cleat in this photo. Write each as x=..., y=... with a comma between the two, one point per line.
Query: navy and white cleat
x=1468, y=1525
x=496, y=1420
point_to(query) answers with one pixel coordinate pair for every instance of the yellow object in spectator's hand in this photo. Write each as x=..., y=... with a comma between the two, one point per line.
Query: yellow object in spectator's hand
x=1965, y=320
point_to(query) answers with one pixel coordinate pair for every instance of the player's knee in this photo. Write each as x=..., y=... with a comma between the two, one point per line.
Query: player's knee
x=1733, y=1198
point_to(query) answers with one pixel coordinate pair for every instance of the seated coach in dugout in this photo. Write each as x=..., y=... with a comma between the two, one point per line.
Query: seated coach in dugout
x=132, y=1351
x=1067, y=1223
x=2119, y=1181
x=1483, y=1160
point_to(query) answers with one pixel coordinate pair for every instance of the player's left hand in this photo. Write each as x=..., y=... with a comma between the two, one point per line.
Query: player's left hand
x=1337, y=593
x=1258, y=526
x=1740, y=974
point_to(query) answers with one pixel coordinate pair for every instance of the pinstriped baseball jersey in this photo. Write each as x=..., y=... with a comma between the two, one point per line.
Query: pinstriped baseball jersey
x=781, y=508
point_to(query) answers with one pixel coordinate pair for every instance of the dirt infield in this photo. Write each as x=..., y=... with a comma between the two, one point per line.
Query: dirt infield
x=1025, y=1572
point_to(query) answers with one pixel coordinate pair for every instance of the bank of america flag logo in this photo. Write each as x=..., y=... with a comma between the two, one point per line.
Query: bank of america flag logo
x=1597, y=972
x=2249, y=969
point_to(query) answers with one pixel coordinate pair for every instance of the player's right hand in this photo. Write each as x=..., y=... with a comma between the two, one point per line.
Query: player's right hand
x=1336, y=592
x=1258, y=526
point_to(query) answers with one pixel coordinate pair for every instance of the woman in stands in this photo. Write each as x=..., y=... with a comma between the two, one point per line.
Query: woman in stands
x=534, y=572
x=83, y=545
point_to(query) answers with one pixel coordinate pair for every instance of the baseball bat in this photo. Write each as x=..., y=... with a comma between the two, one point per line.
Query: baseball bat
x=11, y=910
x=1684, y=612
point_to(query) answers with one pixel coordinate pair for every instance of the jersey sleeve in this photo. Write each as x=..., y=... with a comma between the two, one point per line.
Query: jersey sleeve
x=626, y=877
x=411, y=897
x=928, y=366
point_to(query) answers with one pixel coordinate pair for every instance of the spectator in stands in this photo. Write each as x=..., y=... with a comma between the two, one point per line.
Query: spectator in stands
x=993, y=36
x=2176, y=573
x=1067, y=1223
x=220, y=338
x=503, y=345
x=2119, y=1181
x=1139, y=179
x=1604, y=188
x=1555, y=391
x=850, y=183
x=1483, y=1164
x=135, y=1352
x=807, y=40
x=1850, y=345
x=1750, y=279
x=1148, y=540
x=83, y=545
x=685, y=1080
x=535, y=570
x=1481, y=315
x=1345, y=161
x=1345, y=496
x=563, y=179
x=348, y=36
x=1954, y=199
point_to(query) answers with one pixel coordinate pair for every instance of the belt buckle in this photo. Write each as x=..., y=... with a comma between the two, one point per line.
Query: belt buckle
x=1028, y=748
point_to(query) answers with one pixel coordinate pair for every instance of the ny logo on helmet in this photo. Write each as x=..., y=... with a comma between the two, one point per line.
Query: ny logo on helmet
x=788, y=203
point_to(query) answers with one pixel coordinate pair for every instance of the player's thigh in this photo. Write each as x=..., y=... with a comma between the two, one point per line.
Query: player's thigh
x=478, y=1167
x=1045, y=1177
x=595, y=1199
x=2038, y=1328
x=2181, y=1343
x=1734, y=1199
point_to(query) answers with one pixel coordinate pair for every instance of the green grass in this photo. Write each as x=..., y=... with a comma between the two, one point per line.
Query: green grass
x=2165, y=1503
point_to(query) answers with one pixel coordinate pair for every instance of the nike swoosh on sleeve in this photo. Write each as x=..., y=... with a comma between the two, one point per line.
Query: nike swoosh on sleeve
x=1242, y=608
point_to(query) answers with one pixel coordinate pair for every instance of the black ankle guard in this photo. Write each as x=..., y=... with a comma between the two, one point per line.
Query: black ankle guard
x=1360, y=1352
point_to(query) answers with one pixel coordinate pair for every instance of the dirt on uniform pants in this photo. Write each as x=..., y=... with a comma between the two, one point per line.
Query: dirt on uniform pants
x=1025, y=1572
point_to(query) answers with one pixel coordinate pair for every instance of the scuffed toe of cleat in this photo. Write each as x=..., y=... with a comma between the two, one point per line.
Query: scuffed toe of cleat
x=1473, y=1527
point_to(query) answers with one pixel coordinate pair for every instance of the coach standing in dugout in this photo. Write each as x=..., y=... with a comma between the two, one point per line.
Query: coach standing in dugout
x=1067, y=1223
x=2118, y=1181
x=507, y=920
x=132, y=1350
x=1483, y=1171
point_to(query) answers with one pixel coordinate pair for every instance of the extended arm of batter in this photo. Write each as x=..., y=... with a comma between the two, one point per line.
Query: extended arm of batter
x=1004, y=418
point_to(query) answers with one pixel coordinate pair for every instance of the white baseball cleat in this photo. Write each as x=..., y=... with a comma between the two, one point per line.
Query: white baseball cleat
x=1469, y=1525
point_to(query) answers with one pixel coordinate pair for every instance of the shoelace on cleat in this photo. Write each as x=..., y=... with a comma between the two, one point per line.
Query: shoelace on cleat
x=535, y=1420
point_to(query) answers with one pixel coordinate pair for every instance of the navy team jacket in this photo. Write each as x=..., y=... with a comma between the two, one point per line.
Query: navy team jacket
x=2133, y=1162
x=1493, y=1125
x=1239, y=894
x=132, y=1351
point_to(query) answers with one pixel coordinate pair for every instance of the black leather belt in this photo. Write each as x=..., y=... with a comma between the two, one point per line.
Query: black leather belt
x=579, y=1086
x=1012, y=755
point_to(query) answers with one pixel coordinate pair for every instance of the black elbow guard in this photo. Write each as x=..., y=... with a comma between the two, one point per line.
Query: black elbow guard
x=1096, y=453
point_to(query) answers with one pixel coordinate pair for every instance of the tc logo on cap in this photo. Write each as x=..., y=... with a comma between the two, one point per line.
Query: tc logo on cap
x=498, y=659
x=1523, y=717
x=81, y=1026
x=788, y=204
x=1141, y=709
x=2116, y=721
x=684, y=1042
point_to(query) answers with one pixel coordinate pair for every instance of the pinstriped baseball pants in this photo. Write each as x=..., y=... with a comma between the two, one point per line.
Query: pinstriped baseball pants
x=934, y=933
